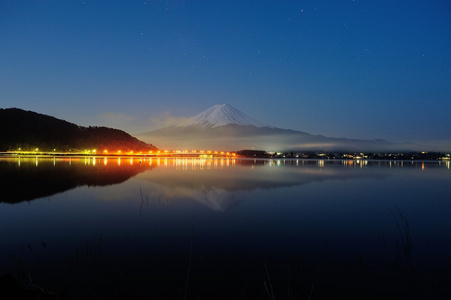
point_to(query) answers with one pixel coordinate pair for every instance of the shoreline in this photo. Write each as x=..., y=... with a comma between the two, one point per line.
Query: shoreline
x=330, y=157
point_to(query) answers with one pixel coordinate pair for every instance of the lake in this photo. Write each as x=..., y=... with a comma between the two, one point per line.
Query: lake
x=191, y=228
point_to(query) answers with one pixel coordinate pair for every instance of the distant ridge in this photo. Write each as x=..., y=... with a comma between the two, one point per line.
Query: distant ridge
x=29, y=130
x=220, y=115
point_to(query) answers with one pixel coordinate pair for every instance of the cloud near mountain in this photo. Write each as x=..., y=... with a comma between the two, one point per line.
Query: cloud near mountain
x=167, y=119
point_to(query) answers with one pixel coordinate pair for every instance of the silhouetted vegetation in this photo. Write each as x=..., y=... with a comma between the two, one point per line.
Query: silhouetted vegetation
x=253, y=153
x=28, y=130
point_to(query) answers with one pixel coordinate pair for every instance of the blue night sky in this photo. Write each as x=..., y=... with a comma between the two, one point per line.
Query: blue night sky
x=344, y=68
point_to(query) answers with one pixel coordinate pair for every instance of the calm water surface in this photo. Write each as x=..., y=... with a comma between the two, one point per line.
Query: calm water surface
x=113, y=228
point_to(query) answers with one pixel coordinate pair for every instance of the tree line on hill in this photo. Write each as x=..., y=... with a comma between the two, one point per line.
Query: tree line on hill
x=27, y=130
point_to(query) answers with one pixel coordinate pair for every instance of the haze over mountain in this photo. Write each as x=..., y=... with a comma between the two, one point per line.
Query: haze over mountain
x=30, y=130
x=223, y=127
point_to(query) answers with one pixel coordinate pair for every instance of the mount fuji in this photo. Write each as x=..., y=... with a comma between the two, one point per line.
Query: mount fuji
x=223, y=127
x=221, y=115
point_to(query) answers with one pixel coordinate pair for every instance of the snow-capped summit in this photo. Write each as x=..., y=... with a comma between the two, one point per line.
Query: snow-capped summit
x=220, y=115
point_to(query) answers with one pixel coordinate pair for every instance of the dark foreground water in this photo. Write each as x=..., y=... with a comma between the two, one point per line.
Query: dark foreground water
x=109, y=228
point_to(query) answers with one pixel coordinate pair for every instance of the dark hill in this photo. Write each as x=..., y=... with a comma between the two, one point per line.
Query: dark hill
x=30, y=130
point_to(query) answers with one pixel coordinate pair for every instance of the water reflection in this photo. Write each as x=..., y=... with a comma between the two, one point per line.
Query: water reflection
x=194, y=178
x=352, y=228
x=217, y=190
x=222, y=184
x=25, y=179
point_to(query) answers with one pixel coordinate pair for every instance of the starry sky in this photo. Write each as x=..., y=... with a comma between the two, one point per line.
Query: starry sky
x=342, y=68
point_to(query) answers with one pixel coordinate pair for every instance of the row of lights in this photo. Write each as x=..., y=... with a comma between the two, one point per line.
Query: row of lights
x=173, y=152
x=94, y=151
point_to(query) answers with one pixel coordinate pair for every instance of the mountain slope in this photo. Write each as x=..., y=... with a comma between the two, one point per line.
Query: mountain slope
x=30, y=130
x=223, y=127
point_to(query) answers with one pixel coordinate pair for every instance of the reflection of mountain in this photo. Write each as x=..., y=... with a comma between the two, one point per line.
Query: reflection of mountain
x=222, y=189
x=218, y=199
x=30, y=181
x=218, y=184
